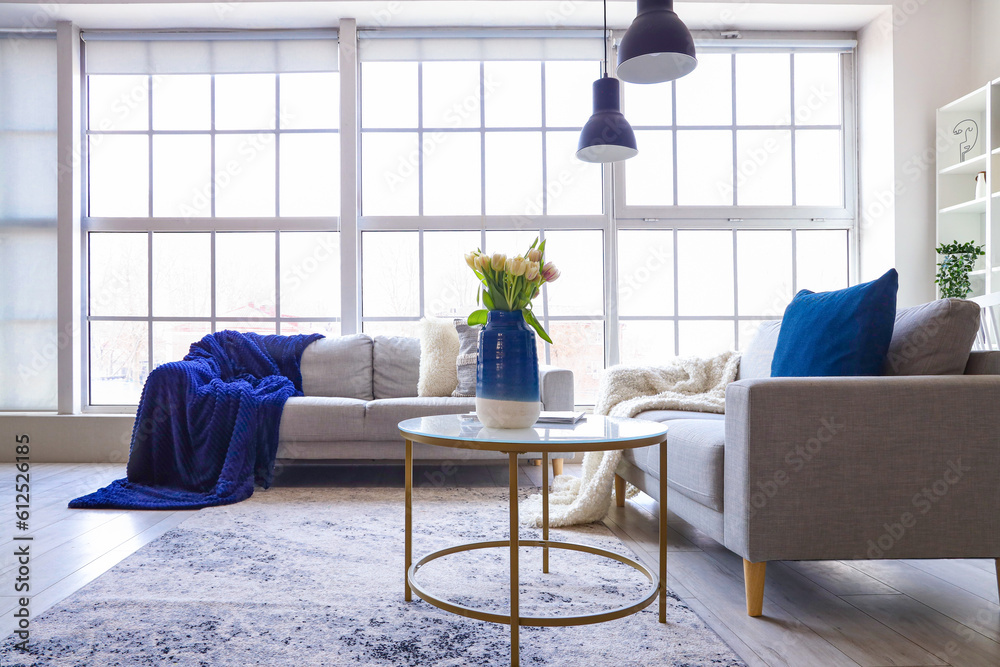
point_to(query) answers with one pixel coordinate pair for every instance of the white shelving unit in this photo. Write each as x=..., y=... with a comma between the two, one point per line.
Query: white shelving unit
x=961, y=216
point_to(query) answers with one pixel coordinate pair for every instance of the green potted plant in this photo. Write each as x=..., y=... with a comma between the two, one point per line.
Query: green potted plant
x=957, y=261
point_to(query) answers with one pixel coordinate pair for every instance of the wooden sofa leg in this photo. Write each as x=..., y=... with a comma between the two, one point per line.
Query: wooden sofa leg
x=619, y=491
x=557, y=466
x=753, y=580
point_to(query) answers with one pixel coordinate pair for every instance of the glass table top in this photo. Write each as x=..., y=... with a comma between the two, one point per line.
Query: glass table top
x=589, y=430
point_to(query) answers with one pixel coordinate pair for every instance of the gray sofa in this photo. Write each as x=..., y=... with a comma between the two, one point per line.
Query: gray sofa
x=358, y=388
x=833, y=468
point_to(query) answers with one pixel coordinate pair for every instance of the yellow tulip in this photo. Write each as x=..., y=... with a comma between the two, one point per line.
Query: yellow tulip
x=534, y=255
x=482, y=262
x=470, y=259
x=531, y=273
x=498, y=260
x=518, y=266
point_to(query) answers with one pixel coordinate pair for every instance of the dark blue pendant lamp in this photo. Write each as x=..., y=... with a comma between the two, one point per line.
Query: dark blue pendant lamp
x=607, y=136
x=657, y=47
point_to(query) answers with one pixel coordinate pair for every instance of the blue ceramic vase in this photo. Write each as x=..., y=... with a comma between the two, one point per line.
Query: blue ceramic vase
x=507, y=393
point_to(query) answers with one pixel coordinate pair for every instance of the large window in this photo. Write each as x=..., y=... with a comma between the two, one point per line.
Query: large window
x=29, y=340
x=214, y=193
x=742, y=194
x=459, y=154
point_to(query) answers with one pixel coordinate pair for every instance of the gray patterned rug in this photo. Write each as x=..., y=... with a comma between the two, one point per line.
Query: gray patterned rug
x=314, y=576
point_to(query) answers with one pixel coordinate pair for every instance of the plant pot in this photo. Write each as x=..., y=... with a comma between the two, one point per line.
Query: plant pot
x=507, y=392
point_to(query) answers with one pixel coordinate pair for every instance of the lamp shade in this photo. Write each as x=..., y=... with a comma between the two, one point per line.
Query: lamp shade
x=607, y=136
x=657, y=46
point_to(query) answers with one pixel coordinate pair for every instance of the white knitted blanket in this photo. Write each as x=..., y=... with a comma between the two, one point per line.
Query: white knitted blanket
x=689, y=383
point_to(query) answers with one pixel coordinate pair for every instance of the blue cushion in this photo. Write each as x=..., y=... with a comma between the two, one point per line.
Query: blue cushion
x=846, y=332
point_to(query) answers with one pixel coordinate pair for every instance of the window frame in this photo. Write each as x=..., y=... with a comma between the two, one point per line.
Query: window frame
x=211, y=225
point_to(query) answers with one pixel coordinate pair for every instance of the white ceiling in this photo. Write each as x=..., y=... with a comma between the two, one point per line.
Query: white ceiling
x=244, y=14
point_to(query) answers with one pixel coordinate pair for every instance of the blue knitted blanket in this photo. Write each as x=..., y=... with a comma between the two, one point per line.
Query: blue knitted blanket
x=207, y=426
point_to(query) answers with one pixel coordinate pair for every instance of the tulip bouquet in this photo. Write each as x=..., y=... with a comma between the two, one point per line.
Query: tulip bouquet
x=510, y=283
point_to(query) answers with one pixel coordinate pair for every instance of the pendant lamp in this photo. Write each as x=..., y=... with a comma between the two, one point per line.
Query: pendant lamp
x=607, y=136
x=657, y=47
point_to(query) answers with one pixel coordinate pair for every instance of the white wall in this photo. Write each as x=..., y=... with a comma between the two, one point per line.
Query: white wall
x=985, y=42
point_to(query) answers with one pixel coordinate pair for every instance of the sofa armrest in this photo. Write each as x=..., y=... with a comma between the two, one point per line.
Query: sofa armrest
x=556, y=388
x=868, y=467
x=983, y=362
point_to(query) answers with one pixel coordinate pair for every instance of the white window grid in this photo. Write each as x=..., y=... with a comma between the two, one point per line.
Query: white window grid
x=794, y=213
x=211, y=225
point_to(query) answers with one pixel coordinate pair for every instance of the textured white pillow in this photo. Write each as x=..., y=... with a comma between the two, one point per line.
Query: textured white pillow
x=438, y=354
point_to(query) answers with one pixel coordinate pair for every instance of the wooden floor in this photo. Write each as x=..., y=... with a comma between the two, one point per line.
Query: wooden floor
x=823, y=614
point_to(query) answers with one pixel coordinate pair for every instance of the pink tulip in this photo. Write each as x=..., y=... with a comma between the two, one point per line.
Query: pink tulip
x=550, y=272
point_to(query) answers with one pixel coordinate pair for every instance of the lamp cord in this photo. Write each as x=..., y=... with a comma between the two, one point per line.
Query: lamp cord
x=605, y=36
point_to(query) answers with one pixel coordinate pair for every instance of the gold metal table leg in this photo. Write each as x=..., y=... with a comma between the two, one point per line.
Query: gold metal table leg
x=663, y=532
x=515, y=611
x=409, y=518
x=545, y=510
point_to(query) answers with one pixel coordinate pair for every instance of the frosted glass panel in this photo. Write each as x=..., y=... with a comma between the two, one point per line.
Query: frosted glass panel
x=119, y=176
x=119, y=362
x=310, y=101
x=513, y=94
x=310, y=274
x=764, y=167
x=182, y=175
x=246, y=260
x=817, y=89
x=119, y=278
x=28, y=197
x=182, y=279
x=390, y=264
x=650, y=174
x=646, y=273
x=763, y=89
x=451, y=94
x=646, y=342
x=705, y=96
x=572, y=187
x=579, y=255
x=390, y=180
x=649, y=105
x=452, y=174
x=705, y=168
x=182, y=102
x=821, y=259
x=310, y=175
x=705, y=273
x=389, y=95
x=244, y=175
x=819, y=168
x=118, y=102
x=569, y=92
x=514, y=173
x=764, y=261
x=449, y=285
x=245, y=102
x=28, y=192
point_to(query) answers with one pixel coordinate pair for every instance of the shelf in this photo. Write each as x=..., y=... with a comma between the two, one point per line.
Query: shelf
x=974, y=206
x=974, y=101
x=973, y=165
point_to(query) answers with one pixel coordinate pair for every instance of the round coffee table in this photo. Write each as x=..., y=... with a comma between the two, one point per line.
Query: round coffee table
x=593, y=433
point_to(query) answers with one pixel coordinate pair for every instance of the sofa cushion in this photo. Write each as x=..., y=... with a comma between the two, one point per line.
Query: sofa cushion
x=695, y=460
x=438, y=352
x=840, y=333
x=396, y=361
x=934, y=338
x=468, y=355
x=340, y=366
x=756, y=359
x=382, y=416
x=322, y=419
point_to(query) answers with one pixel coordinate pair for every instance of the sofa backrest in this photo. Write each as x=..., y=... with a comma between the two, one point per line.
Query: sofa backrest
x=756, y=359
x=396, y=361
x=340, y=367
